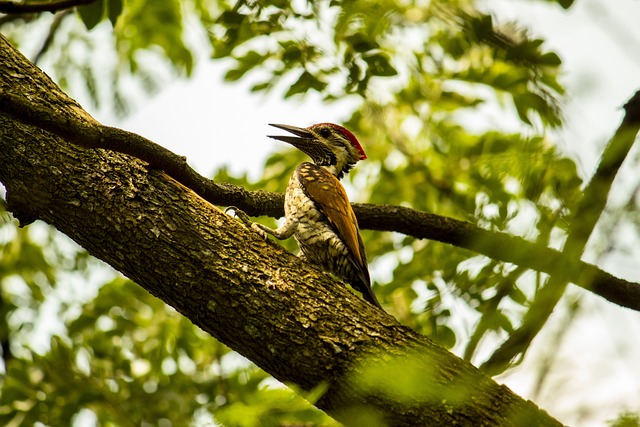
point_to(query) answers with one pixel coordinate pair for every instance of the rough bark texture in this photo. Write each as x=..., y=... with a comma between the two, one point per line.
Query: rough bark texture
x=291, y=320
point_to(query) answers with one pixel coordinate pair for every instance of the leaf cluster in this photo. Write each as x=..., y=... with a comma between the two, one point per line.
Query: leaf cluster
x=106, y=52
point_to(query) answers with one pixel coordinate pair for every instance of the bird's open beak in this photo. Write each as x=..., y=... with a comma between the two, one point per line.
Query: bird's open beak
x=303, y=135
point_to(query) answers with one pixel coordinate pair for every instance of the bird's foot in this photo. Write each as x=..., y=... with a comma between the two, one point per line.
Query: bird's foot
x=244, y=218
x=237, y=213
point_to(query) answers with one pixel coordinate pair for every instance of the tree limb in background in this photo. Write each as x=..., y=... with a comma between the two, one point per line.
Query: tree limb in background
x=584, y=221
x=15, y=7
x=53, y=29
x=25, y=17
x=86, y=132
x=5, y=339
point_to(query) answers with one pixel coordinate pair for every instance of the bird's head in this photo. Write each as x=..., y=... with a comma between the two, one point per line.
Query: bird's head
x=328, y=145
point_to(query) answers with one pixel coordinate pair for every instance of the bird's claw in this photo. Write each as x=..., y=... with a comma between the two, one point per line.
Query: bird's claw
x=235, y=211
x=244, y=218
x=255, y=227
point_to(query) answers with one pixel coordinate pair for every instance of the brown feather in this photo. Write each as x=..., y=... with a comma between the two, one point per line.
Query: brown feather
x=331, y=199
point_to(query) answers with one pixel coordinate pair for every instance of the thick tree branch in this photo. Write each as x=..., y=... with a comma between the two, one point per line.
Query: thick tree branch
x=423, y=225
x=13, y=7
x=88, y=133
x=290, y=319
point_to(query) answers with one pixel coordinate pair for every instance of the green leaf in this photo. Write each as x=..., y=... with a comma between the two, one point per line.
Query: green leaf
x=292, y=52
x=305, y=82
x=114, y=10
x=565, y=4
x=251, y=58
x=91, y=14
x=481, y=27
x=445, y=336
x=235, y=74
x=361, y=43
x=231, y=19
x=550, y=58
x=379, y=65
x=260, y=87
x=452, y=101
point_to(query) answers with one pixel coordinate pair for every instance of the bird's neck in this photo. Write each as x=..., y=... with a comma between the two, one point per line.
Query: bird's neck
x=338, y=170
x=333, y=170
x=338, y=167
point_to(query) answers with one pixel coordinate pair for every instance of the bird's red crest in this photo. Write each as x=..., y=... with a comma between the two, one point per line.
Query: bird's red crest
x=347, y=133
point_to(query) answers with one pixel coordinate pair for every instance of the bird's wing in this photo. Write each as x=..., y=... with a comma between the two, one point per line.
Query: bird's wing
x=331, y=199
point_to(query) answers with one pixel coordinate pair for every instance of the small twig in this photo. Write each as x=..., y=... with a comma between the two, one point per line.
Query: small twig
x=504, y=286
x=5, y=339
x=53, y=29
x=13, y=7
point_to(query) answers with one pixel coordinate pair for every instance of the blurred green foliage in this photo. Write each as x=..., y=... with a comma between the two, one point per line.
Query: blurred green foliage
x=108, y=48
x=454, y=113
x=626, y=419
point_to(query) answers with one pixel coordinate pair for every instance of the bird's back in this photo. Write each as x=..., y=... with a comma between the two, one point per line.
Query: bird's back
x=327, y=230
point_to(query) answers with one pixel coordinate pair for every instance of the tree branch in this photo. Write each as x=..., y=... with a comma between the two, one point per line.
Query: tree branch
x=86, y=132
x=25, y=17
x=14, y=7
x=5, y=339
x=53, y=29
x=292, y=320
x=496, y=245
x=584, y=221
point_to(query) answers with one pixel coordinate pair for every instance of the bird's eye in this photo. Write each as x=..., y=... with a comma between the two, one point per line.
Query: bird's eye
x=325, y=132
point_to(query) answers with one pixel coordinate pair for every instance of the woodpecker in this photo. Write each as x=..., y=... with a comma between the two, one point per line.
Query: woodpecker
x=317, y=210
